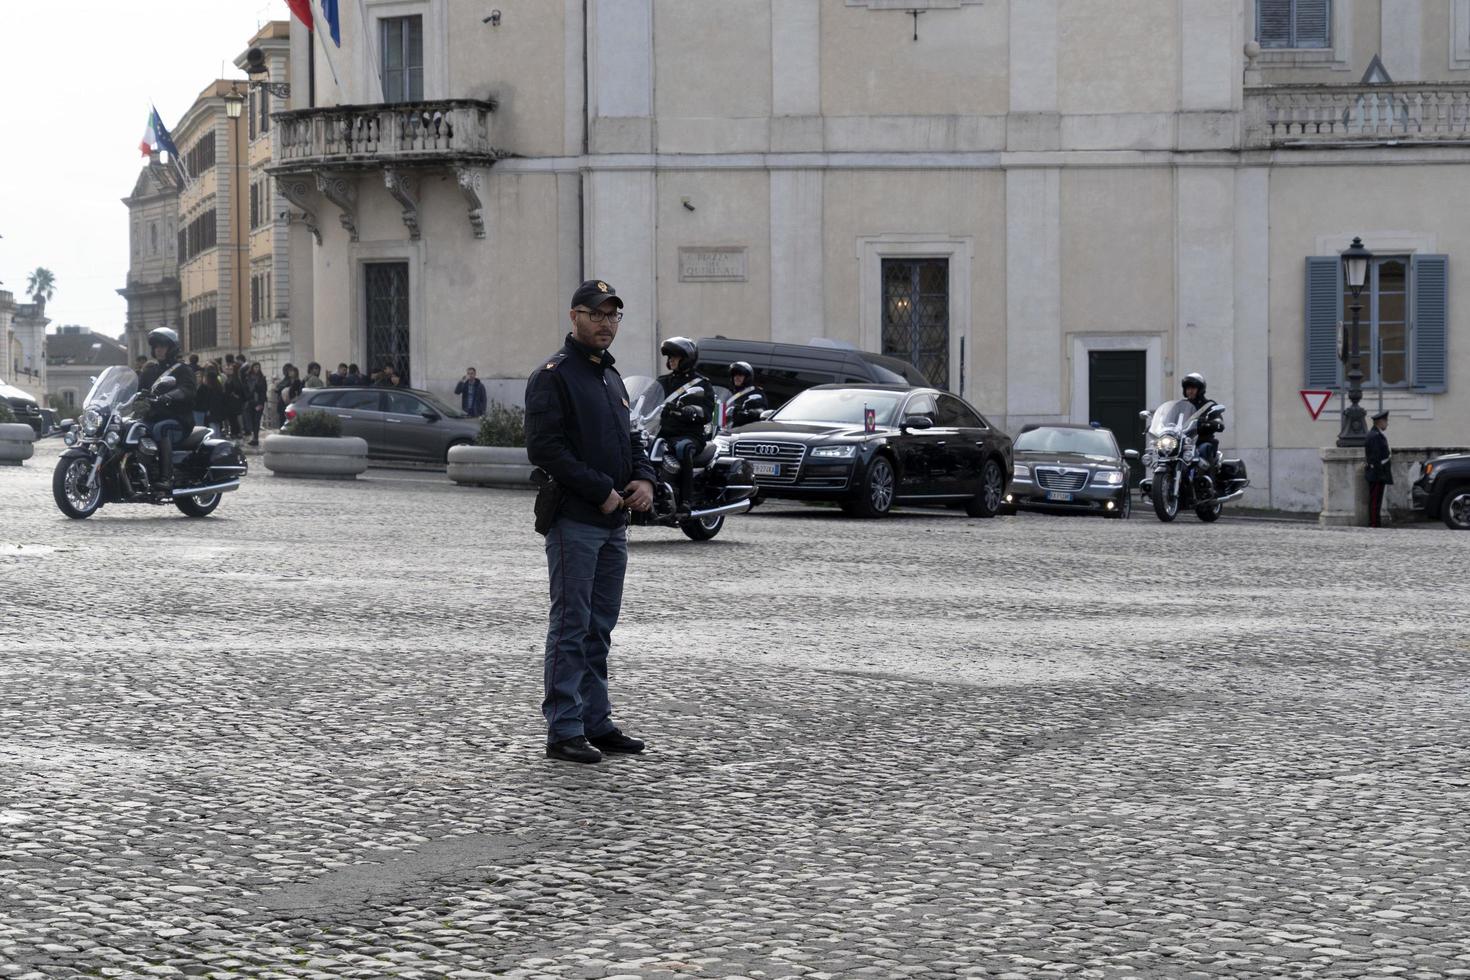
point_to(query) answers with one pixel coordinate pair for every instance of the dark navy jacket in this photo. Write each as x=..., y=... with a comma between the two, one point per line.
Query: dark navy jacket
x=577, y=429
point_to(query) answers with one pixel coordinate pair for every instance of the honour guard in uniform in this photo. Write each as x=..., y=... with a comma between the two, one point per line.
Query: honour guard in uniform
x=1379, y=468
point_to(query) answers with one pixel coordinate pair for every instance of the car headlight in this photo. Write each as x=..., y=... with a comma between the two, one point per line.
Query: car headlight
x=1167, y=444
x=91, y=422
x=1022, y=472
x=1108, y=478
x=834, y=452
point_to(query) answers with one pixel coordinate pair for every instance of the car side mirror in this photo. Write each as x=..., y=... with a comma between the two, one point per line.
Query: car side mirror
x=431, y=416
x=1130, y=454
x=767, y=414
x=917, y=422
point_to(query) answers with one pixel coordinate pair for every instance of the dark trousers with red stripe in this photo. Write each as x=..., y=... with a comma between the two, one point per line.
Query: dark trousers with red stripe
x=1375, y=503
x=587, y=565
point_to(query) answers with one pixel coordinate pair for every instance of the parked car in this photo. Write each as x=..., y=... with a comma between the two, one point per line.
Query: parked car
x=783, y=370
x=1443, y=490
x=871, y=447
x=23, y=407
x=1070, y=467
x=396, y=423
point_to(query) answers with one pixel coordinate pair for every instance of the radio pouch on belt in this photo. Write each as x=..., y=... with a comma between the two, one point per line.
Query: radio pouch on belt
x=549, y=496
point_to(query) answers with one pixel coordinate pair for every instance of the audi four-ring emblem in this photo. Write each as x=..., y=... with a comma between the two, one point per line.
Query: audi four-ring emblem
x=767, y=450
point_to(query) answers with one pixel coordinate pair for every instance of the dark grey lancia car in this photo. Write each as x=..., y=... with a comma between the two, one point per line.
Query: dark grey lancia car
x=1069, y=467
x=397, y=423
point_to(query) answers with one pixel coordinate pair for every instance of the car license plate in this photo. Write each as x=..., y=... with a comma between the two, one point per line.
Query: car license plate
x=766, y=469
x=1065, y=498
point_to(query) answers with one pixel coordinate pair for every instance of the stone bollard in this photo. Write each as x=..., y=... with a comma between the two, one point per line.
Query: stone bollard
x=17, y=443
x=315, y=457
x=490, y=466
x=1344, y=489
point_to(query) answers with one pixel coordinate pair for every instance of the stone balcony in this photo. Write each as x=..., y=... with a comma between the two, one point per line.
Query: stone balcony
x=325, y=151
x=1348, y=115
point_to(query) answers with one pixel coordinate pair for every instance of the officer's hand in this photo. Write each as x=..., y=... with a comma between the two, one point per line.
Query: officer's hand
x=613, y=502
x=640, y=495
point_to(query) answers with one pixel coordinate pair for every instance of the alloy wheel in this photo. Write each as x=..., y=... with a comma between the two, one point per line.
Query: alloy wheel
x=1457, y=510
x=880, y=490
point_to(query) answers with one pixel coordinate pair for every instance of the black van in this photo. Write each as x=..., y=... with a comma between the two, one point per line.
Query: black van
x=785, y=369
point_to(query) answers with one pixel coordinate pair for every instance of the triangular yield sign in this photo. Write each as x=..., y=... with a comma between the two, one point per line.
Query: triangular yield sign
x=1315, y=401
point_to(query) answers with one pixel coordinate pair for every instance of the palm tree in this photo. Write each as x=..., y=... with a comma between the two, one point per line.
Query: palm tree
x=41, y=284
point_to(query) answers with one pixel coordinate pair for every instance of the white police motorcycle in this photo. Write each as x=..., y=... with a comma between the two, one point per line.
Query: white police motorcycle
x=111, y=458
x=723, y=484
x=1175, y=475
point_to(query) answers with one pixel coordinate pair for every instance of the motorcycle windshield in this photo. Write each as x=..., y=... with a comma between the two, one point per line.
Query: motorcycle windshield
x=113, y=387
x=645, y=399
x=1170, y=415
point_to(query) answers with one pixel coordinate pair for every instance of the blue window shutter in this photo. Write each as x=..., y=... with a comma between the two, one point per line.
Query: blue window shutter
x=1431, y=321
x=1324, y=312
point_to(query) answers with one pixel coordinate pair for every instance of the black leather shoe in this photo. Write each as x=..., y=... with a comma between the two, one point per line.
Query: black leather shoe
x=573, y=750
x=616, y=741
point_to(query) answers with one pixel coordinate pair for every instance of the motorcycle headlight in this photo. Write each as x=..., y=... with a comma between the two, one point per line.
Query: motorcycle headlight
x=91, y=422
x=70, y=438
x=834, y=452
x=1023, y=472
x=1108, y=478
x=1167, y=444
x=112, y=439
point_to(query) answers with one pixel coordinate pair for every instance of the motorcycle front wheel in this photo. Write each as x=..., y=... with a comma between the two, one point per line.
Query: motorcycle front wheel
x=1166, y=499
x=704, y=528
x=69, y=487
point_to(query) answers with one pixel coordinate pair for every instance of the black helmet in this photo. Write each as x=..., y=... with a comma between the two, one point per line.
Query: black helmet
x=164, y=337
x=743, y=367
x=681, y=347
x=1193, y=378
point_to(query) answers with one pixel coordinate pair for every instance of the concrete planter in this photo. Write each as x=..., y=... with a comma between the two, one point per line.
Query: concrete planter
x=490, y=466
x=316, y=458
x=17, y=443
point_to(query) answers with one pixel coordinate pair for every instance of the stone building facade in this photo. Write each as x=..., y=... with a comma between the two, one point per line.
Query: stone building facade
x=266, y=214
x=152, y=290
x=23, y=344
x=1057, y=208
x=74, y=356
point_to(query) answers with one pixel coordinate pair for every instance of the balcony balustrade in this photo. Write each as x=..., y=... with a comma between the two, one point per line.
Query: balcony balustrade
x=324, y=152
x=1326, y=115
x=442, y=132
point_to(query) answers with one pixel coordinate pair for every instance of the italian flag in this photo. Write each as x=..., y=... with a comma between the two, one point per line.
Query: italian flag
x=149, y=143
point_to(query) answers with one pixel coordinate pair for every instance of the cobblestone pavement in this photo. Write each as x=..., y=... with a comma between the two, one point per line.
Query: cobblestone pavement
x=924, y=747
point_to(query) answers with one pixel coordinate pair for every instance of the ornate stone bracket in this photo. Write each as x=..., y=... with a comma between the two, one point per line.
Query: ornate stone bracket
x=298, y=191
x=343, y=193
x=405, y=191
x=470, y=182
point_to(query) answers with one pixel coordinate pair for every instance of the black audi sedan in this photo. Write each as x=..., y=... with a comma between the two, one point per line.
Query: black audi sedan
x=872, y=447
x=1069, y=467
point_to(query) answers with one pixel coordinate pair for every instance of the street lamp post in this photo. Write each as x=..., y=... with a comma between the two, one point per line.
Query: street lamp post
x=1356, y=262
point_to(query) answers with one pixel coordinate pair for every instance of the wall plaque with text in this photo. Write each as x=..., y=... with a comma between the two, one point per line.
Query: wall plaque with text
x=722, y=263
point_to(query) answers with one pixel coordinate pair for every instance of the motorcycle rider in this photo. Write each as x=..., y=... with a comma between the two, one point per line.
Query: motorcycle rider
x=174, y=411
x=1208, y=444
x=682, y=424
x=749, y=399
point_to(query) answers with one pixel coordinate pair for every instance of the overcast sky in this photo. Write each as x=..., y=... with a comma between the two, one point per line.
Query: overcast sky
x=76, y=80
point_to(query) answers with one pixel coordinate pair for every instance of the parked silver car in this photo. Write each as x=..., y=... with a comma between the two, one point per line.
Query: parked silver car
x=396, y=423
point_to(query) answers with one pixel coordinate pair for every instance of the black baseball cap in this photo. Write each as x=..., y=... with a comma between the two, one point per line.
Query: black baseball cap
x=593, y=293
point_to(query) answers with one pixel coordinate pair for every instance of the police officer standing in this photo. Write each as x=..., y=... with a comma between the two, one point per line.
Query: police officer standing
x=1379, y=468
x=579, y=432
